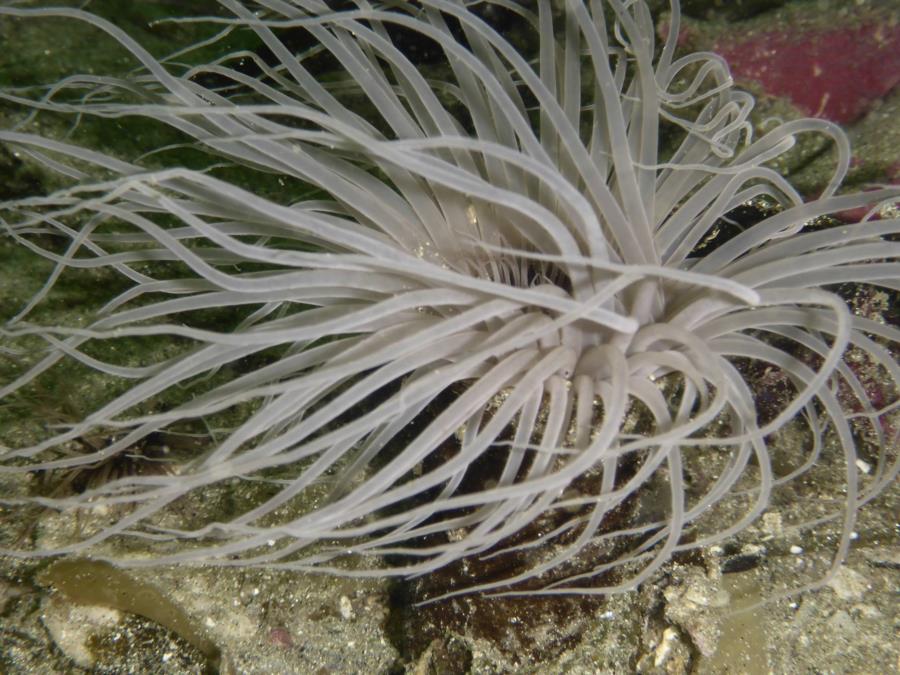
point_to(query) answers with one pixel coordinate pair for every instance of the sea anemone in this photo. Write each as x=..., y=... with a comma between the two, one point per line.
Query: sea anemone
x=496, y=303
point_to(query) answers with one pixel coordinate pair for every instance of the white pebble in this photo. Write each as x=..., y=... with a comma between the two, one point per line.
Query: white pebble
x=345, y=607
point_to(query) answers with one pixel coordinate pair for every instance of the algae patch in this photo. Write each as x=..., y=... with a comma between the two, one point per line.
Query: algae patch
x=94, y=582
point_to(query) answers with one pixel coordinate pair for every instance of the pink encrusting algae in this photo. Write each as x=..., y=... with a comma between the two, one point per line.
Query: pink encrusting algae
x=833, y=73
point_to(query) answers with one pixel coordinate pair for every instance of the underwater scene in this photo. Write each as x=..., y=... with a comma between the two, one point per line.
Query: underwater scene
x=449, y=336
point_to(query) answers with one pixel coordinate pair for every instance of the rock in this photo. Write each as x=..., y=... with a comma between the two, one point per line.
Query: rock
x=849, y=584
x=670, y=655
x=74, y=627
x=694, y=605
x=840, y=623
x=831, y=61
x=836, y=72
